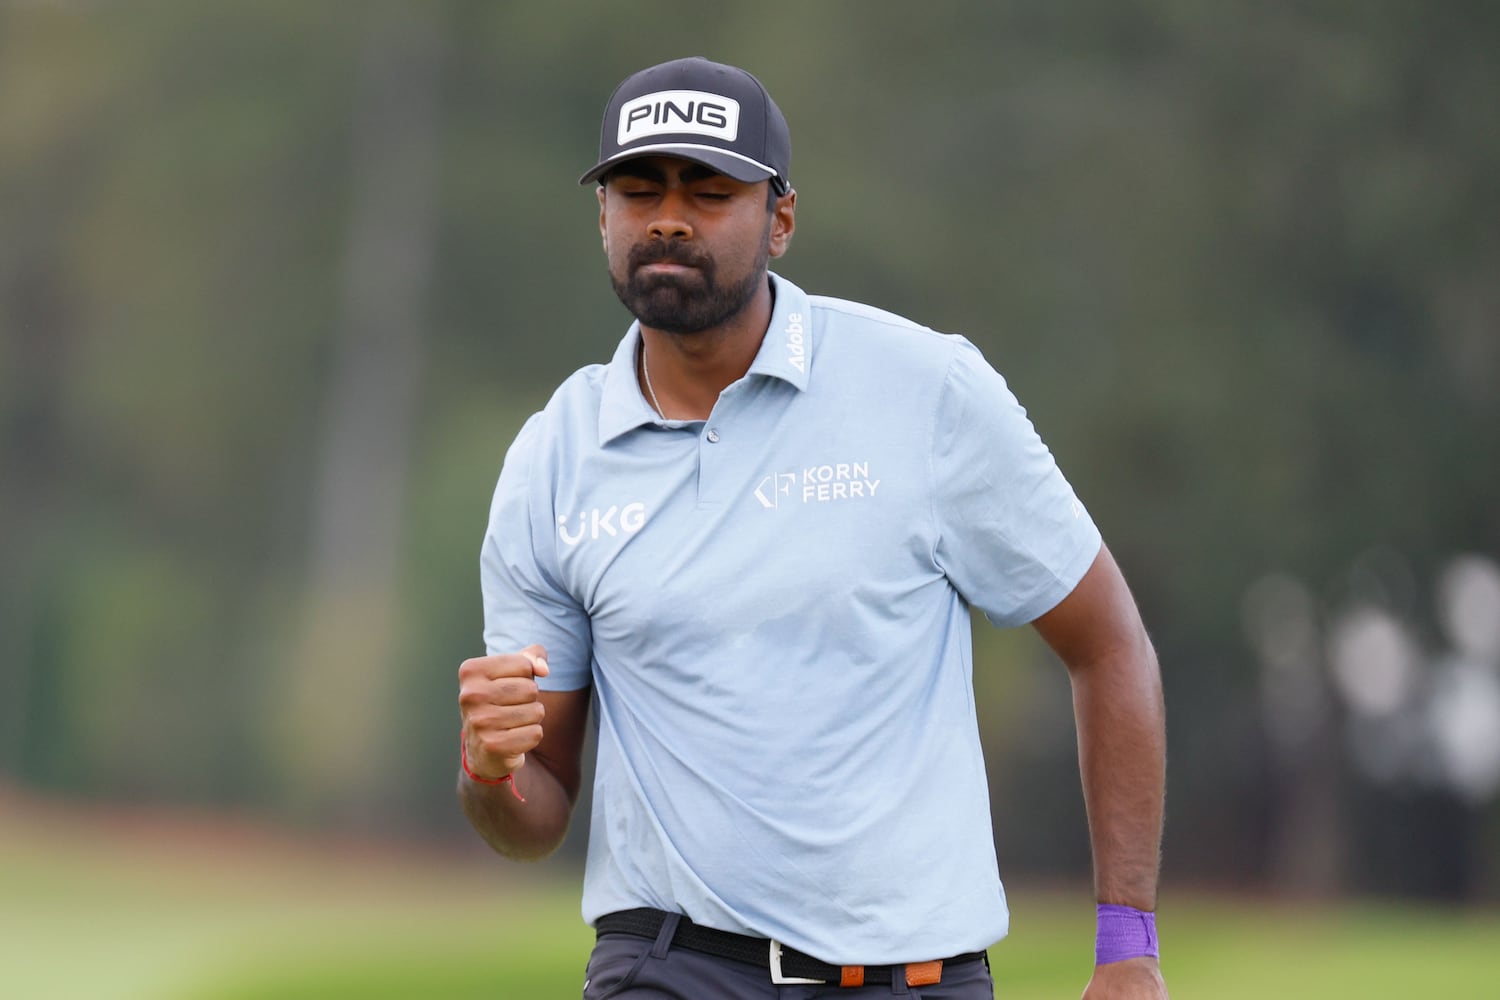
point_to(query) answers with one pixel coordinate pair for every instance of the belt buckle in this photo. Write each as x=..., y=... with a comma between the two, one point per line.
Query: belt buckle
x=781, y=980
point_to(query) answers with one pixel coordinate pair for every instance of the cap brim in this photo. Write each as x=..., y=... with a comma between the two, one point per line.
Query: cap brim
x=730, y=164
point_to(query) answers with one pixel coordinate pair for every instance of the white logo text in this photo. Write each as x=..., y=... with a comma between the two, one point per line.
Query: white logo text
x=593, y=523
x=817, y=484
x=796, y=342
x=679, y=111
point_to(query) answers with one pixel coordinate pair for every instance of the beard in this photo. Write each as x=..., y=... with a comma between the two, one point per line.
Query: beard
x=689, y=302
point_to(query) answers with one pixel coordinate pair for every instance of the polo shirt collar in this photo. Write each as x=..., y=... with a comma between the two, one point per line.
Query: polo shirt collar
x=622, y=407
x=785, y=353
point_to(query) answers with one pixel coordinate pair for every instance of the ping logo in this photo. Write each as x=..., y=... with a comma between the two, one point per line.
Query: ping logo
x=679, y=111
x=796, y=342
x=574, y=528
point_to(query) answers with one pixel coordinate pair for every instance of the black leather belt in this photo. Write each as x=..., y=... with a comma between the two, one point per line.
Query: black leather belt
x=785, y=965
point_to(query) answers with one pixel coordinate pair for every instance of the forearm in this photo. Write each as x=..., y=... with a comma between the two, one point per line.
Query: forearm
x=524, y=831
x=1117, y=704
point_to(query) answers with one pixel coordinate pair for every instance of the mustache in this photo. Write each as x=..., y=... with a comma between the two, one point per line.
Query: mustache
x=667, y=252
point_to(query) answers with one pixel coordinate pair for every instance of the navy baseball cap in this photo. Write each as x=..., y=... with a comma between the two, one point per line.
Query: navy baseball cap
x=716, y=115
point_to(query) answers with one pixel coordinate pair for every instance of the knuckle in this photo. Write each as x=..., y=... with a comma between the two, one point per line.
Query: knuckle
x=477, y=668
x=515, y=691
x=520, y=716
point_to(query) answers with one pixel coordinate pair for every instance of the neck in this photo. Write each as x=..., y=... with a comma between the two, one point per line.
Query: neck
x=689, y=370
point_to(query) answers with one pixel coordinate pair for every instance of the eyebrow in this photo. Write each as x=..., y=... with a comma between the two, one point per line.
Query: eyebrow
x=646, y=172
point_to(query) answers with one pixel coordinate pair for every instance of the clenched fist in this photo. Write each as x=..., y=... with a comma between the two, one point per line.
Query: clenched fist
x=502, y=718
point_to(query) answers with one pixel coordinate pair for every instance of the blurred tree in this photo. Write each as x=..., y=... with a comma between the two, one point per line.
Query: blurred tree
x=334, y=735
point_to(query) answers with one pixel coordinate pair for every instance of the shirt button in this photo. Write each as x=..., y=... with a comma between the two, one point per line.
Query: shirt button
x=713, y=436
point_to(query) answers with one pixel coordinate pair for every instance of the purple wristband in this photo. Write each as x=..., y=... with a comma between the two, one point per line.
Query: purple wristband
x=1124, y=932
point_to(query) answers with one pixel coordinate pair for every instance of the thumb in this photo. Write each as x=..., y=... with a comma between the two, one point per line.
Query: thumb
x=538, y=656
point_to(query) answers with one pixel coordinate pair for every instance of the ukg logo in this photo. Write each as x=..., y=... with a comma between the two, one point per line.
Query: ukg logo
x=607, y=522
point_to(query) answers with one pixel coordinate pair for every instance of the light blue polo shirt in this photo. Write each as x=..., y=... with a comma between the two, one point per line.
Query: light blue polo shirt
x=772, y=608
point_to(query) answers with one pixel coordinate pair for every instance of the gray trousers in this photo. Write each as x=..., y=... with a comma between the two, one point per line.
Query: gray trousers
x=626, y=967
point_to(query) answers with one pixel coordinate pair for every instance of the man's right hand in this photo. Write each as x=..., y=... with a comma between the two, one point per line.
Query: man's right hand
x=502, y=717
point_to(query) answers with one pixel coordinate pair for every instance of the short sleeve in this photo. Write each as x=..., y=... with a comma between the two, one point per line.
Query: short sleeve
x=1011, y=534
x=523, y=601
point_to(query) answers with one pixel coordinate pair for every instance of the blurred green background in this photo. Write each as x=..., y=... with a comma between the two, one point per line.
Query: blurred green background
x=279, y=281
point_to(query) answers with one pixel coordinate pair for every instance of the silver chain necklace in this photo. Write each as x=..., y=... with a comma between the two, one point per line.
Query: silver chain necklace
x=646, y=373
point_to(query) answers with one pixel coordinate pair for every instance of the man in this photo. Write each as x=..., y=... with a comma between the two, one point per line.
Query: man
x=751, y=541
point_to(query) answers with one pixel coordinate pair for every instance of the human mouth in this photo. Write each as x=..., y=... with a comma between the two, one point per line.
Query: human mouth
x=666, y=267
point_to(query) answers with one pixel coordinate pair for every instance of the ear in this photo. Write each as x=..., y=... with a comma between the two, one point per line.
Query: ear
x=783, y=223
x=603, y=228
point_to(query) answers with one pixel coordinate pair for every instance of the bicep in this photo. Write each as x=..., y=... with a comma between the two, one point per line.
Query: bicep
x=1098, y=620
x=563, y=727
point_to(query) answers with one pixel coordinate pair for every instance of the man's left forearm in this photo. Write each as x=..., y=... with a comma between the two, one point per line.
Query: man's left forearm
x=1117, y=704
x=1122, y=744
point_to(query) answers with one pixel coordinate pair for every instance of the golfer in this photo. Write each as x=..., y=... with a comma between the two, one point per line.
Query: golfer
x=750, y=542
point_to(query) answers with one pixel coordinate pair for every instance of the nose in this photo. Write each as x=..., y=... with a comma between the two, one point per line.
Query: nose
x=671, y=219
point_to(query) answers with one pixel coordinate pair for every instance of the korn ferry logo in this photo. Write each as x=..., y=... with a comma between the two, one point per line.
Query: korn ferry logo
x=611, y=521
x=817, y=484
x=775, y=486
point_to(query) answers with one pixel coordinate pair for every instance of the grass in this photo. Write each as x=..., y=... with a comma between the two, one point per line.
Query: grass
x=97, y=905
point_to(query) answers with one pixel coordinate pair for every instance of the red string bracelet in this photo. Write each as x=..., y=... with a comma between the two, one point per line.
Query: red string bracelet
x=463, y=759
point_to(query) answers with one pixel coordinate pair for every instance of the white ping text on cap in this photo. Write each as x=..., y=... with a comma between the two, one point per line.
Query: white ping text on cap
x=679, y=111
